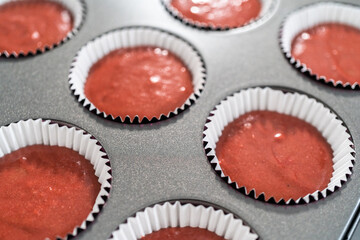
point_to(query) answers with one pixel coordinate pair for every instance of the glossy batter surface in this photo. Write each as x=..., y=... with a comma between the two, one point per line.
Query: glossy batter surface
x=331, y=50
x=28, y=25
x=274, y=153
x=45, y=192
x=143, y=81
x=185, y=233
x=219, y=13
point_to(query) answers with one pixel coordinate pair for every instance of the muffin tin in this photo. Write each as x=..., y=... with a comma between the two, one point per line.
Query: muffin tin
x=163, y=161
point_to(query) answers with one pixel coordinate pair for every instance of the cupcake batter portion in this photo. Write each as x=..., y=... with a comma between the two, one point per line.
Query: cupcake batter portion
x=45, y=192
x=28, y=25
x=219, y=13
x=331, y=50
x=280, y=155
x=185, y=233
x=143, y=81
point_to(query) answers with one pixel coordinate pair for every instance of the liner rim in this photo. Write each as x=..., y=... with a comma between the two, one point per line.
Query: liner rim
x=182, y=202
x=78, y=228
x=46, y=48
x=261, y=196
x=252, y=24
x=136, y=120
x=301, y=67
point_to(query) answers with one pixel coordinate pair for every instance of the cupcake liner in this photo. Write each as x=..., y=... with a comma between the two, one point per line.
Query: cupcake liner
x=78, y=11
x=131, y=37
x=177, y=214
x=46, y=132
x=310, y=16
x=268, y=8
x=294, y=104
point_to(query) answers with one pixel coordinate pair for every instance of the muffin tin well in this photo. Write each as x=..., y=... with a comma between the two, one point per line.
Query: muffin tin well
x=155, y=162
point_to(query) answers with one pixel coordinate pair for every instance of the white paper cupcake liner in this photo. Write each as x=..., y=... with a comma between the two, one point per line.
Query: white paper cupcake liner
x=178, y=214
x=46, y=132
x=78, y=10
x=97, y=48
x=310, y=16
x=294, y=104
x=268, y=8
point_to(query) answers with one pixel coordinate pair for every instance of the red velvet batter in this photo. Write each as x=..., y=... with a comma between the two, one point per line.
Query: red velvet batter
x=277, y=154
x=219, y=13
x=331, y=50
x=143, y=81
x=27, y=25
x=45, y=192
x=185, y=233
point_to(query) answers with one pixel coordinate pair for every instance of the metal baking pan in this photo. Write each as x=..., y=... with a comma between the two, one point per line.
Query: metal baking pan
x=165, y=160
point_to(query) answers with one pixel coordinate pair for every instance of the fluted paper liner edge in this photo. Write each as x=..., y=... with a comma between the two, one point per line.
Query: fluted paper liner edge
x=183, y=215
x=294, y=104
x=78, y=10
x=133, y=36
x=46, y=132
x=310, y=16
x=268, y=9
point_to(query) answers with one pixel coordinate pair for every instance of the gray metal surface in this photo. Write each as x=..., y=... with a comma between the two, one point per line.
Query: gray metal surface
x=166, y=160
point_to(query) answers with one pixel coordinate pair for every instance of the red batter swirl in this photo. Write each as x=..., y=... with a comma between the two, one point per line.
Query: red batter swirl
x=280, y=155
x=219, y=13
x=331, y=50
x=185, y=233
x=45, y=192
x=143, y=81
x=28, y=25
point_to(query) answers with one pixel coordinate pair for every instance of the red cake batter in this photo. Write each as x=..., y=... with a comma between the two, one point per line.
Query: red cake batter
x=219, y=13
x=45, y=192
x=185, y=233
x=331, y=50
x=143, y=81
x=28, y=25
x=274, y=153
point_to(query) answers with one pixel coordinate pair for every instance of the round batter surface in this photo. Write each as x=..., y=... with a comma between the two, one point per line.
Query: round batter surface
x=185, y=233
x=139, y=81
x=46, y=191
x=331, y=50
x=277, y=154
x=28, y=25
x=219, y=13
